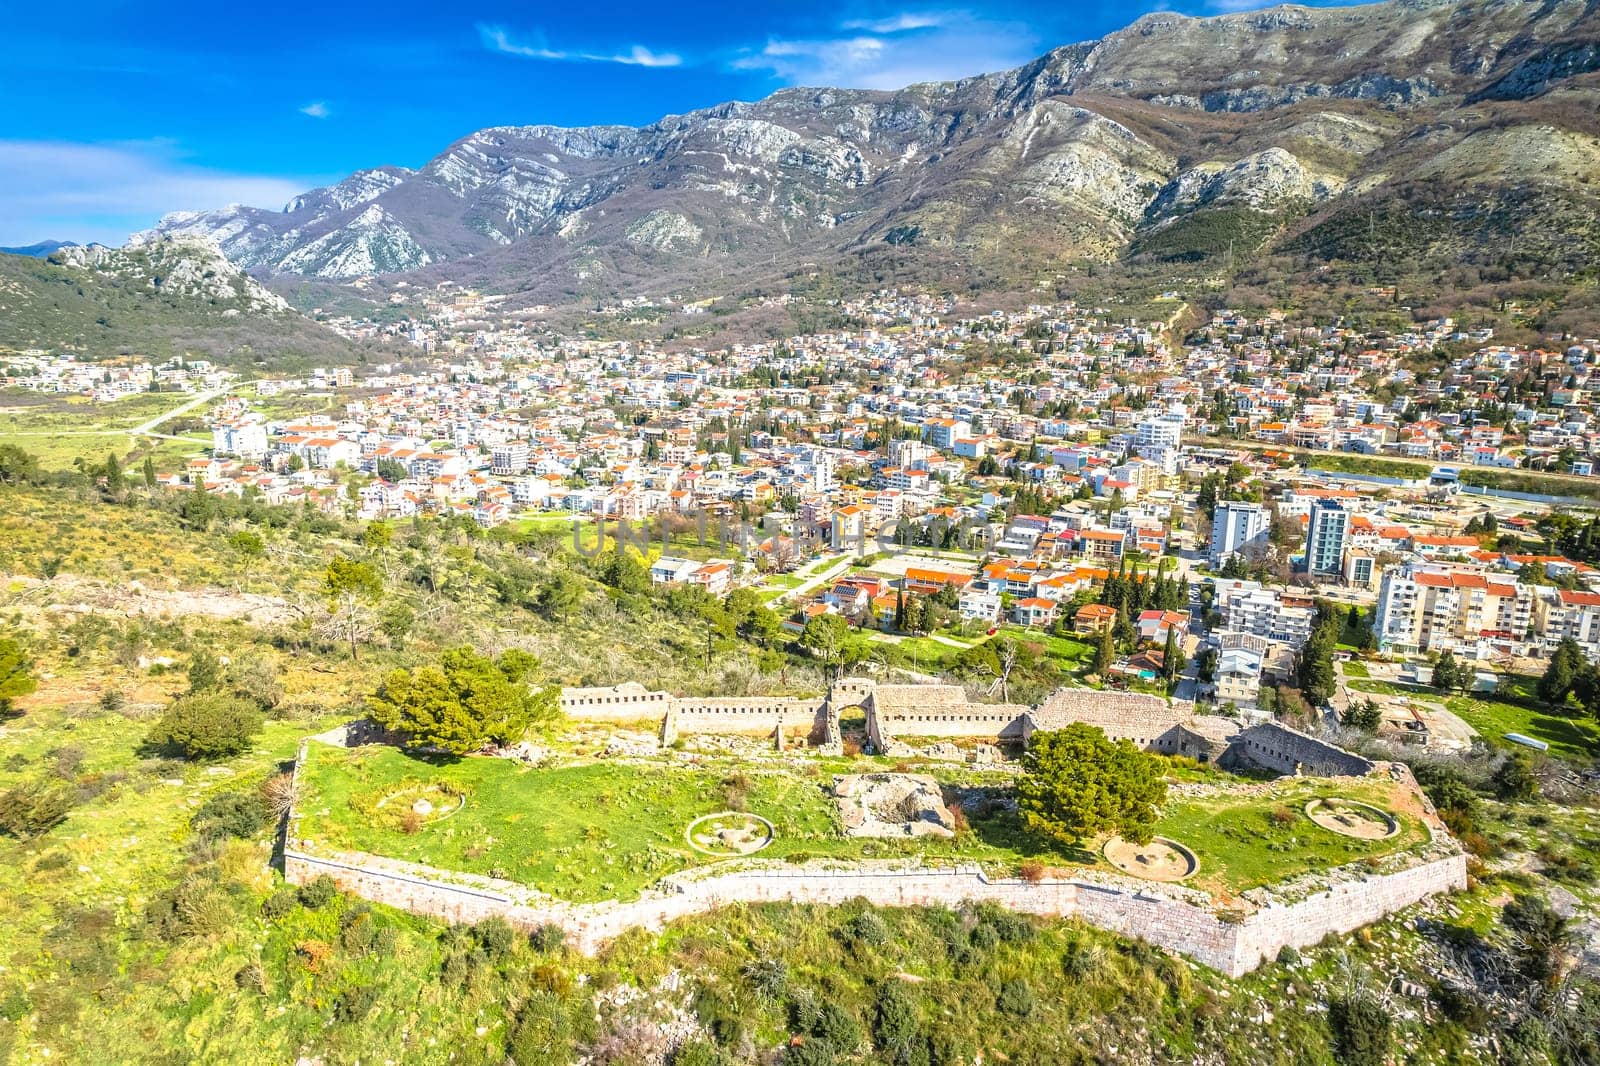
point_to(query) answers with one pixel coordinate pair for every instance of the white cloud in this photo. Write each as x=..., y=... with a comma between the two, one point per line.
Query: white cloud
x=316, y=109
x=893, y=52
x=897, y=23
x=496, y=39
x=58, y=190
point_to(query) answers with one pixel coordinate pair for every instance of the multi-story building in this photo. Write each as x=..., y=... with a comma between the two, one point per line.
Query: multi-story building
x=1435, y=608
x=1249, y=607
x=1575, y=614
x=1326, y=531
x=1237, y=527
x=509, y=459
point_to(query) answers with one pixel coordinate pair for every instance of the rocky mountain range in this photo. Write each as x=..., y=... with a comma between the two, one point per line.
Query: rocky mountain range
x=156, y=297
x=1406, y=128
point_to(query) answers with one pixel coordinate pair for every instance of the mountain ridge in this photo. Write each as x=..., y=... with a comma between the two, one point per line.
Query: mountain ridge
x=1093, y=150
x=157, y=297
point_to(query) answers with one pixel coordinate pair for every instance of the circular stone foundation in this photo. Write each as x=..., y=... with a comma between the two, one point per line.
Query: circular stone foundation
x=1159, y=860
x=422, y=804
x=1352, y=818
x=729, y=834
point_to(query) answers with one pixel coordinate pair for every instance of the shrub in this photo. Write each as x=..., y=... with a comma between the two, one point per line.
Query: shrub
x=496, y=936
x=280, y=903
x=983, y=936
x=838, y=1026
x=318, y=892
x=207, y=727
x=895, y=1017
x=696, y=1053
x=768, y=977
x=1515, y=779
x=1033, y=871
x=1462, y=1006
x=251, y=977
x=35, y=807
x=866, y=929
x=112, y=700
x=205, y=672
x=357, y=931
x=355, y=1003
x=1016, y=998
x=804, y=1009
x=232, y=814
x=1081, y=961
x=1287, y=955
x=547, y=938
x=256, y=680
x=813, y=1051
x=1361, y=1031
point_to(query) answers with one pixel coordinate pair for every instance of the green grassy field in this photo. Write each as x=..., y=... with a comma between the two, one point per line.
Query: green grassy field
x=607, y=830
x=1511, y=710
x=61, y=429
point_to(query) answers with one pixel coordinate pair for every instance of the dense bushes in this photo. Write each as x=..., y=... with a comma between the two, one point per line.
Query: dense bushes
x=35, y=807
x=207, y=726
x=232, y=814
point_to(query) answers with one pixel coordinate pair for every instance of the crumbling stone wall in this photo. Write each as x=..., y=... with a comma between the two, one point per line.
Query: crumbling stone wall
x=628, y=702
x=1289, y=751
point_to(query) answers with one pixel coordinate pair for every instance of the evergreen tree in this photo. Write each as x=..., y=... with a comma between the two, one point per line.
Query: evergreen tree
x=1077, y=783
x=149, y=472
x=1104, y=654
x=1562, y=673
x=1447, y=675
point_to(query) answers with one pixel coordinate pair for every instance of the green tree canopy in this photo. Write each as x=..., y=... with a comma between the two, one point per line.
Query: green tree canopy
x=1561, y=676
x=1077, y=783
x=464, y=702
x=209, y=725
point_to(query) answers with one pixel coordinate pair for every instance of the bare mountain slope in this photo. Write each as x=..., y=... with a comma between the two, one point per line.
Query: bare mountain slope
x=1162, y=139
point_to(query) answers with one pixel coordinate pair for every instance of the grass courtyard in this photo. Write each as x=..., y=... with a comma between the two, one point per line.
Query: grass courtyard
x=602, y=830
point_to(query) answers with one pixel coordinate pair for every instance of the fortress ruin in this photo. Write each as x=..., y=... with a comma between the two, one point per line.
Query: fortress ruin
x=897, y=713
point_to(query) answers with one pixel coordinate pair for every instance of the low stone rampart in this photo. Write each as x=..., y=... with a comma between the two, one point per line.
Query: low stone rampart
x=627, y=702
x=1171, y=917
x=746, y=714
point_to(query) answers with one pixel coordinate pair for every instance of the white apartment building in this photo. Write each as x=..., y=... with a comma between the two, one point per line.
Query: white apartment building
x=1249, y=607
x=1575, y=614
x=509, y=459
x=1237, y=527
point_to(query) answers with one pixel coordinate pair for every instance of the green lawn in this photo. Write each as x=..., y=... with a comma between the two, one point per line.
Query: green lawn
x=1072, y=651
x=593, y=831
x=1356, y=668
x=1247, y=841
x=1511, y=710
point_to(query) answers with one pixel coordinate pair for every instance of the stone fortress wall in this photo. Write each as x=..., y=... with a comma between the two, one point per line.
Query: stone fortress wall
x=1170, y=727
x=1170, y=917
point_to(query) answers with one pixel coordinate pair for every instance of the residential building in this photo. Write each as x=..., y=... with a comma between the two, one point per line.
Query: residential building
x=1326, y=531
x=1238, y=527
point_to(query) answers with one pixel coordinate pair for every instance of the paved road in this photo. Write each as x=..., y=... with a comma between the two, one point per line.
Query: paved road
x=825, y=573
x=148, y=428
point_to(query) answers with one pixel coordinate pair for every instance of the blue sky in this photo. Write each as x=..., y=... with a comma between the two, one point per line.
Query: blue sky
x=113, y=113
